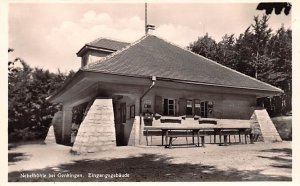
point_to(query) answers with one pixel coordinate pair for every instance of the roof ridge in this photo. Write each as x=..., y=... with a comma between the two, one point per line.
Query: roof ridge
x=114, y=53
x=108, y=38
x=218, y=63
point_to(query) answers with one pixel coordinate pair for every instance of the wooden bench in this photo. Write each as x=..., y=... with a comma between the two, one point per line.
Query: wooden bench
x=226, y=133
x=170, y=132
x=184, y=133
x=248, y=132
x=170, y=120
x=153, y=132
x=162, y=133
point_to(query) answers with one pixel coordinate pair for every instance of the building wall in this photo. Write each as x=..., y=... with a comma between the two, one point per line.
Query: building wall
x=57, y=125
x=226, y=106
x=125, y=129
x=237, y=107
x=93, y=56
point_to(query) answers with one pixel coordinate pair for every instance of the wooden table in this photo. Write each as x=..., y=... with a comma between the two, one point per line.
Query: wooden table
x=218, y=130
x=168, y=133
x=232, y=131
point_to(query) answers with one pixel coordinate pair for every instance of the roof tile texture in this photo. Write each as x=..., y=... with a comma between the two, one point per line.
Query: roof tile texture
x=108, y=44
x=152, y=56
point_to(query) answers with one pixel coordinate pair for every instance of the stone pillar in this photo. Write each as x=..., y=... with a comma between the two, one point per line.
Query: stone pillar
x=97, y=130
x=267, y=127
x=66, y=125
x=50, y=138
x=134, y=137
x=256, y=128
x=141, y=131
x=139, y=125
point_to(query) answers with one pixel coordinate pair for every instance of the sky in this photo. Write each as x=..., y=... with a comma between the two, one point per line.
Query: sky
x=48, y=35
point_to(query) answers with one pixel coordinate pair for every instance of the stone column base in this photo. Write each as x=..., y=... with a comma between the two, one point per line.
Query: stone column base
x=97, y=130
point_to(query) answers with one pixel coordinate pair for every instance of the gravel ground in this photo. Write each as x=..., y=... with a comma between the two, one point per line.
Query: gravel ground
x=239, y=162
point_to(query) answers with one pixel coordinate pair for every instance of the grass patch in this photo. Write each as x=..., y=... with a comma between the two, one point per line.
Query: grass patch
x=283, y=125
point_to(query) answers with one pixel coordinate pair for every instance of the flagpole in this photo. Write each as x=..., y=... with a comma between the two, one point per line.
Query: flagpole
x=146, y=29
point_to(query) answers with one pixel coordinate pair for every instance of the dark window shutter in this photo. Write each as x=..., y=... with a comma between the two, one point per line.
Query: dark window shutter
x=182, y=106
x=158, y=105
x=175, y=108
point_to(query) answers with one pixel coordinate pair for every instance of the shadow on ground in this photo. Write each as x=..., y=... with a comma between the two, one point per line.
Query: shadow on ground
x=12, y=146
x=280, y=161
x=14, y=157
x=148, y=167
x=286, y=151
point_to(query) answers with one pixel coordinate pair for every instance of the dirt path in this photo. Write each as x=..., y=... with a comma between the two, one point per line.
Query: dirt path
x=253, y=162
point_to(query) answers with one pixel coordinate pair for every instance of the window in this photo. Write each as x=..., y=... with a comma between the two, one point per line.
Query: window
x=169, y=107
x=84, y=60
x=132, y=111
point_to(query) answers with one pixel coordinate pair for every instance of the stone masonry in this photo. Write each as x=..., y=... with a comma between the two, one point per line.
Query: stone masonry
x=97, y=130
x=263, y=125
x=256, y=128
x=50, y=138
x=134, y=134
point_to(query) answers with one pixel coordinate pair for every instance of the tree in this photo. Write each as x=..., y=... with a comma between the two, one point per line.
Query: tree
x=205, y=46
x=257, y=52
x=251, y=48
x=280, y=49
x=244, y=53
x=18, y=94
x=11, y=64
x=28, y=108
x=226, y=54
x=261, y=36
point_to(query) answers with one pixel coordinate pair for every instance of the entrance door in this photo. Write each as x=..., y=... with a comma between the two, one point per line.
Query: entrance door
x=189, y=108
x=123, y=112
x=197, y=107
x=120, y=118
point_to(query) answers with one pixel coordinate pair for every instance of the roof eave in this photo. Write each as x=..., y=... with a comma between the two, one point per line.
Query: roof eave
x=68, y=83
x=87, y=47
x=81, y=51
x=274, y=92
x=81, y=73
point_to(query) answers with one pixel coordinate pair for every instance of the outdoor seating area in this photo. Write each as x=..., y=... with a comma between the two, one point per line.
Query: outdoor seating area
x=222, y=131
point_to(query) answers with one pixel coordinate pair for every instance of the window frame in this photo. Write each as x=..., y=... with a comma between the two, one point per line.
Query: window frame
x=168, y=106
x=204, y=109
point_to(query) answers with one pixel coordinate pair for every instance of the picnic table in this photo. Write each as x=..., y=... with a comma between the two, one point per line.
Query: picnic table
x=200, y=130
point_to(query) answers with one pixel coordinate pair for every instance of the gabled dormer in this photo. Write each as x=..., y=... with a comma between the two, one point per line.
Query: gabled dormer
x=98, y=49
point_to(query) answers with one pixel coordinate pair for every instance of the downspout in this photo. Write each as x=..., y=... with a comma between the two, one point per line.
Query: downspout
x=141, y=99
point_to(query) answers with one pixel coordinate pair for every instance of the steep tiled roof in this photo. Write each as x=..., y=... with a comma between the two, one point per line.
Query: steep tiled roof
x=152, y=56
x=103, y=44
x=108, y=44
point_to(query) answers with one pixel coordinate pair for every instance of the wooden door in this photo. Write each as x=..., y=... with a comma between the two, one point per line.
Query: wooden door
x=189, y=108
x=182, y=107
x=120, y=120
